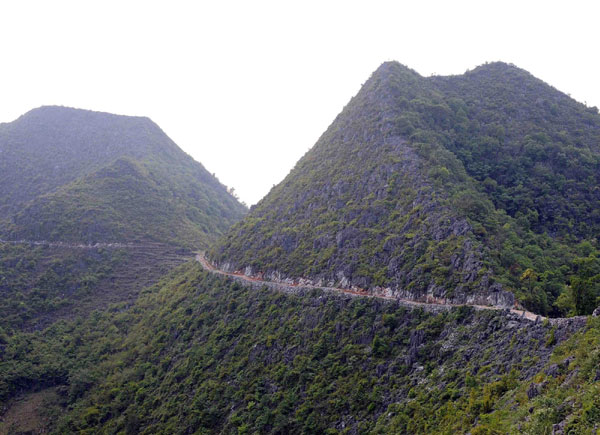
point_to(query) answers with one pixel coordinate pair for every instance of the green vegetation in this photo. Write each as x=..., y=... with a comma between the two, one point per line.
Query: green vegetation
x=458, y=187
x=35, y=281
x=80, y=176
x=204, y=354
x=452, y=185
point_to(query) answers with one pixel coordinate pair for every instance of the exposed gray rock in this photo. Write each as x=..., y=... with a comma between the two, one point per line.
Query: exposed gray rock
x=554, y=370
x=534, y=390
x=559, y=428
x=566, y=362
x=416, y=339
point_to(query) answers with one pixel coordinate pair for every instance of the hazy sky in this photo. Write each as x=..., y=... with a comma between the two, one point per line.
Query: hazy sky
x=247, y=87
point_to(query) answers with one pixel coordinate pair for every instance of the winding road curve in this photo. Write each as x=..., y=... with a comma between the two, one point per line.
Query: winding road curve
x=289, y=287
x=200, y=258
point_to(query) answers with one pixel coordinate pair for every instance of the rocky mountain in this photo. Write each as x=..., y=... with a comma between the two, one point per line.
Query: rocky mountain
x=479, y=188
x=82, y=176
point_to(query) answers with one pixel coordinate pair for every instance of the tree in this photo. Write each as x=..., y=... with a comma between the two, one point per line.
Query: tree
x=585, y=283
x=565, y=303
x=529, y=277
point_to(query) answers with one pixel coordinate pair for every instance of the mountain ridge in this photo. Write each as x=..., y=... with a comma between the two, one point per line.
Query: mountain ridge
x=74, y=159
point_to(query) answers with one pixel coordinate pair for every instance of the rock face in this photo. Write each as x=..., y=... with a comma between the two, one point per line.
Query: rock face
x=534, y=390
x=416, y=339
x=596, y=312
x=555, y=370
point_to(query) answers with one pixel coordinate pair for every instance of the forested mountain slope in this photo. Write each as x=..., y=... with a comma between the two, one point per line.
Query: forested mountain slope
x=468, y=188
x=79, y=178
x=203, y=354
x=535, y=149
x=82, y=176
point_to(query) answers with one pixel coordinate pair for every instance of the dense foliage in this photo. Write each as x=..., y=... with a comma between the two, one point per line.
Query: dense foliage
x=447, y=186
x=441, y=185
x=536, y=151
x=76, y=175
x=202, y=354
x=35, y=280
x=40, y=284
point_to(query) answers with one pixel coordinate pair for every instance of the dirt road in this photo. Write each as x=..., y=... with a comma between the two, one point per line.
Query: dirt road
x=352, y=292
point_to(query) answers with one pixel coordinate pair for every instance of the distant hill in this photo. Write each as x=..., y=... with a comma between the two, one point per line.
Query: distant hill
x=468, y=188
x=82, y=176
x=78, y=177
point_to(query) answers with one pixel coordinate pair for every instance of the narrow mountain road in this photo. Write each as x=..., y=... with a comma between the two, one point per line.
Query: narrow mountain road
x=290, y=287
x=200, y=258
x=79, y=245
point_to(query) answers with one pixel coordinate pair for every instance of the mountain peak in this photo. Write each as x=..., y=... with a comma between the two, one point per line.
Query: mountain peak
x=416, y=181
x=394, y=72
x=68, y=130
x=101, y=158
x=497, y=65
x=394, y=67
x=71, y=117
x=499, y=69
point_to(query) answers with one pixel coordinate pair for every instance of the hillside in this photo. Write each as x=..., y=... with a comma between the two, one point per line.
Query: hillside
x=81, y=176
x=479, y=188
x=203, y=354
x=94, y=208
x=41, y=284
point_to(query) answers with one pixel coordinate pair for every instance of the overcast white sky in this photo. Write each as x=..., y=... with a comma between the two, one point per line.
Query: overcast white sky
x=247, y=87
